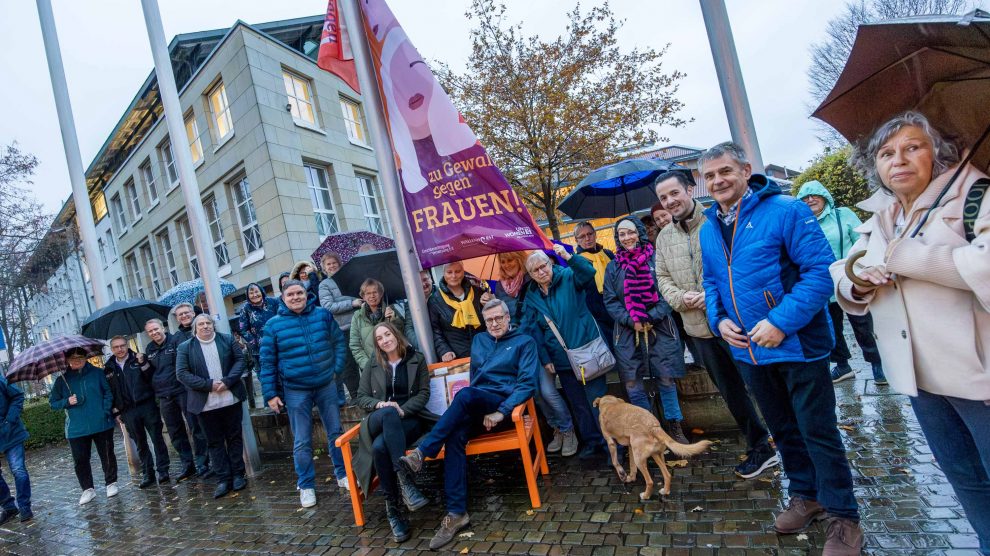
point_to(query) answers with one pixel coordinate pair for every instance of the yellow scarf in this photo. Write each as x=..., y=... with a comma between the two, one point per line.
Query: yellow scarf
x=464, y=313
x=598, y=260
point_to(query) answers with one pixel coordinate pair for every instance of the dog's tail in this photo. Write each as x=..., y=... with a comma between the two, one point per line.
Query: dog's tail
x=688, y=450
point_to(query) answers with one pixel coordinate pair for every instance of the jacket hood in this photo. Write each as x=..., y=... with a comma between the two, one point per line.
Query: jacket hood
x=761, y=186
x=311, y=303
x=512, y=332
x=640, y=229
x=263, y=294
x=815, y=187
x=296, y=267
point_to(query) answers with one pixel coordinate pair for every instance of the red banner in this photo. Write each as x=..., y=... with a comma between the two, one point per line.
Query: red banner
x=335, y=50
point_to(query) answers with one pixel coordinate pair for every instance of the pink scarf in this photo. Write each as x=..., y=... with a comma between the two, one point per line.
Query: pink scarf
x=513, y=285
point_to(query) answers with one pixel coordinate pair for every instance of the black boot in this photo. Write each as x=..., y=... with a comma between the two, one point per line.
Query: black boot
x=398, y=523
x=676, y=432
x=411, y=495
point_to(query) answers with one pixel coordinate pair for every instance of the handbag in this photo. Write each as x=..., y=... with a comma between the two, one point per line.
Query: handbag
x=589, y=361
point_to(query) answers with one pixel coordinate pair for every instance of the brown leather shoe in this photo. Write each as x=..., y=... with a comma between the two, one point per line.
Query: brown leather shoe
x=844, y=537
x=800, y=513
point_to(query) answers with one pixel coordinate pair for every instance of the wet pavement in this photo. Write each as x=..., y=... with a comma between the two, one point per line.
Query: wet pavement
x=907, y=506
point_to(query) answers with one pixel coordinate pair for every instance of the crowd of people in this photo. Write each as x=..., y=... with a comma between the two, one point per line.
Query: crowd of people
x=755, y=287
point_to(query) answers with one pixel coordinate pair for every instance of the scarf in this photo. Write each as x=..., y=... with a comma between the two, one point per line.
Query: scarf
x=464, y=313
x=599, y=259
x=639, y=286
x=512, y=286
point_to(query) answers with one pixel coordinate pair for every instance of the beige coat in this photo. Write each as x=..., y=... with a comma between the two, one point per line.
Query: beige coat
x=678, y=258
x=932, y=324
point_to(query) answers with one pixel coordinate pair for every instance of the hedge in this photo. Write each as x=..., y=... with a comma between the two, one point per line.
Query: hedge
x=45, y=425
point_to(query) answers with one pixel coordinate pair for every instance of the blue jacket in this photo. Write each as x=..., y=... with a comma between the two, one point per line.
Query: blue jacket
x=507, y=366
x=94, y=400
x=775, y=268
x=12, y=431
x=300, y=351
x=253, y=319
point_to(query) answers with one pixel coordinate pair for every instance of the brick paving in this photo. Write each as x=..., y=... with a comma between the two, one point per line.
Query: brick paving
x=906, y=503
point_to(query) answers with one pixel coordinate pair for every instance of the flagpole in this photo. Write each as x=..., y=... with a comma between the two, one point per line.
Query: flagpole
x=391, y=188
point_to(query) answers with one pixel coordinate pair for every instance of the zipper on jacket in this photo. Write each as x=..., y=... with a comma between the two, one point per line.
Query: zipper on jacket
x=732, y=289
x=771, y=302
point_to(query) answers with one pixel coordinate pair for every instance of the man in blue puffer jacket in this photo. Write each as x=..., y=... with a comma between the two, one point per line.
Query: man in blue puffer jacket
x=302, y=352
x=767, y=286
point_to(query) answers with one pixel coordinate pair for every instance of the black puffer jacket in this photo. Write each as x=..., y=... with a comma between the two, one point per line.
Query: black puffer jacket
x=446, y=338
x=162, y=361
x=131, y=386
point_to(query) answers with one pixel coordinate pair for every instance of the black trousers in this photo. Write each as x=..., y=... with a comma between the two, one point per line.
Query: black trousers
x=173, y=413
x=223, y=434
x=82, y=451
x=863, y=330
x=392, y=435
x=142, y=422
x=248, y=380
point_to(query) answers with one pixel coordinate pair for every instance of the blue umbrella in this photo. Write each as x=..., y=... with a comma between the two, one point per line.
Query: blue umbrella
x=616, y=189
x=186, y=292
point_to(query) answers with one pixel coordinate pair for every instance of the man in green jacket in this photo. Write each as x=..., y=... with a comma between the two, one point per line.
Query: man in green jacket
x=839, y=225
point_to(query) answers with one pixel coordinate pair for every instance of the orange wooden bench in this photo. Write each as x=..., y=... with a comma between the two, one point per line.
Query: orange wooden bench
x=526, y=430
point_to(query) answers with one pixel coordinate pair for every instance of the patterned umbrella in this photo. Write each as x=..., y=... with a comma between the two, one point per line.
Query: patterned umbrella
x=37, y=362
x=186, y=292
x=346, y=245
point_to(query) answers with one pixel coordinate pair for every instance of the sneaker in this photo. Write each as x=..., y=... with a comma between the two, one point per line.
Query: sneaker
x=844, y=537
x=800, y=513
x=413, y=460
x=451, y=524
x=88, y=496
x=7, y=514
x=842, y=372
x=878, y=377
x=557, y=443
x=112, y=490
x=27, y=515
x=570, y=446
x=676, y=432
x=757, y=461
x=307, y=497
x=342, y=483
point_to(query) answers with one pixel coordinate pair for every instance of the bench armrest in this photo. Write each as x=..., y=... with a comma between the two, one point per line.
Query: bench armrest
x=347, y=436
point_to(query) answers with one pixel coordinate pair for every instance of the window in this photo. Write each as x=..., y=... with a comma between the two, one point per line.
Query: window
x=148, y=258
x=136, y=277
x=148, y=179
x=168, y=162
x=110, y=292
x=369, y=200
x=131, y=192
x=168, y=256
x=187, y=241
x=103, y=252
x=221, y=112
x=99, y=207
x=119, y=216
x=111, y=248
x=216, y=231
x=246, y=216
x=192, y=133
x=300, y=100
x=121, y=292
x=354, y=121
x=319, y=193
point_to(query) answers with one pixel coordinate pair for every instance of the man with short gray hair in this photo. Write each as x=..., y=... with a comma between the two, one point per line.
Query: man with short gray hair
x=159, y=361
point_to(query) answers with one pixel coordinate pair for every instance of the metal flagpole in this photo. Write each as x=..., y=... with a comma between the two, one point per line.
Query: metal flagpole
x=730, y=80
x=391, y=188
x=194, y=204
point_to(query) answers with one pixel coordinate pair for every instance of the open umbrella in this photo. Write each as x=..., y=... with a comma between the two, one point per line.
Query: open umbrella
x=186, y=292
x=487, y=268
x=380, y=265
x=616, y=189
x=39, y=361
x=346, y=244
x=123, y=318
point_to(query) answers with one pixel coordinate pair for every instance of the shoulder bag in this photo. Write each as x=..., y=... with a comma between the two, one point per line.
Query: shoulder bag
x=589, y=361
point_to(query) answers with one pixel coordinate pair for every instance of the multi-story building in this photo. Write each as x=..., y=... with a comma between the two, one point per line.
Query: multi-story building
x=281, y=156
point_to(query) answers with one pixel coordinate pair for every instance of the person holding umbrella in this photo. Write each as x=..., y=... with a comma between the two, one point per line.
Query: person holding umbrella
x=373, y=312
x=920, y=266
x=12, y=437
x=455, y=313
x=83, y=393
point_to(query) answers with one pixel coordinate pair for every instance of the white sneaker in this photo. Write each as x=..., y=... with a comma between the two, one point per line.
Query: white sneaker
x=112, y=490
x=307, y=497
x=342, y=483
x=88, y=496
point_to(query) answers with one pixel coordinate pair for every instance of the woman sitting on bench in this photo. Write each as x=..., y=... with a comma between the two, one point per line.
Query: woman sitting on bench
x=395, y=387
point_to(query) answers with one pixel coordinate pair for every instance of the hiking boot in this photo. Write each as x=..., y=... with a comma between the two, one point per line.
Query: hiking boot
x=570, y=445
x=676, y=432
x=844, y=537
x=398, y=523
x=878, y=377
x=307, y=497
x=411, y=496
x=757, y=461
x=88, y=496
x=557, y=443
x=800, y=513
x=413, y=461
x=7, y=514
x=451, y=524
x=842, y=371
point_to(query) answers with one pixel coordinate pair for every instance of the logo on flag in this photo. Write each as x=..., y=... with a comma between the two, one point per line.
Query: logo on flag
x=335, y=49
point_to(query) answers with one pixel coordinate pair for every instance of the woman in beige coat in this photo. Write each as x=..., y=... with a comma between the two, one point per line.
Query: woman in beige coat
x=929, y=294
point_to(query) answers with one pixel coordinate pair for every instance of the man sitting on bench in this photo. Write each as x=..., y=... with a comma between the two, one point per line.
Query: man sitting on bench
x=504, y=365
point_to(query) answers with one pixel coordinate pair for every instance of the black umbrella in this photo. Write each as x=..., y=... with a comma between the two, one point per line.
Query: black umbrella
x=380, y=265
x=616, y=189
x=123, y=318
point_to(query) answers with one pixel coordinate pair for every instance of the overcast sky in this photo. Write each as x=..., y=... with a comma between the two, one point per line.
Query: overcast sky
x=107, y=57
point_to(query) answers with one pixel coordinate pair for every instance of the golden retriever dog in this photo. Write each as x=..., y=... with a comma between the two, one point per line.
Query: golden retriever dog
x=638, y=429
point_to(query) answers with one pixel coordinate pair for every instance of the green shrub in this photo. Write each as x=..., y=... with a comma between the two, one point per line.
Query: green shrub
x=45, y=425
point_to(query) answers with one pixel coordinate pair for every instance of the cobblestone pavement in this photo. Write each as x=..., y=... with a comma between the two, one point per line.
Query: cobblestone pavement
x=907, y=506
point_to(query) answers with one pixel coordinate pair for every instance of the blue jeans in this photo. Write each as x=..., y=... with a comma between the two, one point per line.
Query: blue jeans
x=798, y=402
x=299, y=406
x=15, y=460
x=663, y=360
x=462, y=420
x=552, y=403
x=958, y=432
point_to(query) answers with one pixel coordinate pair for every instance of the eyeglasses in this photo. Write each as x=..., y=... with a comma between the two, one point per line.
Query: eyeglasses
x=541, y=268
x=496, y=320
x=583, y=237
